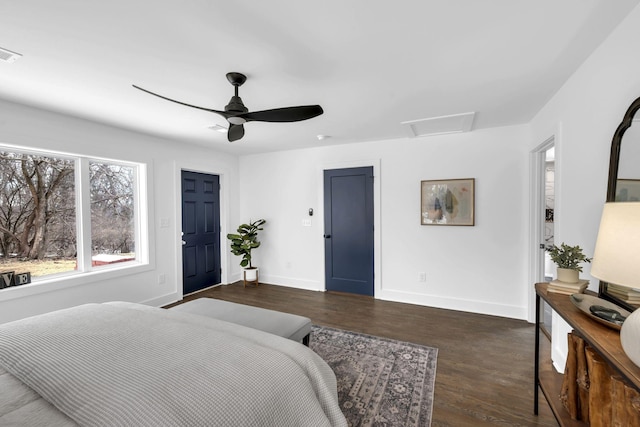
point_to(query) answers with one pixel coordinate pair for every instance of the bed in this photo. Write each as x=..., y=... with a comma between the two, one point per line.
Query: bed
x=124, y=364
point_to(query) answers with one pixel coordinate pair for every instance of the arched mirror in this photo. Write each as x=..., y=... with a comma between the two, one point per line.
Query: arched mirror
x=624, y=183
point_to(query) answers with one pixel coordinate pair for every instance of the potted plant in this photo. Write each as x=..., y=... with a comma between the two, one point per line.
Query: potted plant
x=568, y=259
x=242, y=243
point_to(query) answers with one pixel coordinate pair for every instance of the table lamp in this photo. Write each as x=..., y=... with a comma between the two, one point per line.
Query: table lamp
x=616, y=260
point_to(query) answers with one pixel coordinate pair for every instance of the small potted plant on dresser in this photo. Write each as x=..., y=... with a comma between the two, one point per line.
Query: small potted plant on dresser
x=242, y=243
x=568, y=259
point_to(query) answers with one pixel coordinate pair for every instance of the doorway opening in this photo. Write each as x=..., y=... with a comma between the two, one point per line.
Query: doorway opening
x=543, y=220
x=549, y=227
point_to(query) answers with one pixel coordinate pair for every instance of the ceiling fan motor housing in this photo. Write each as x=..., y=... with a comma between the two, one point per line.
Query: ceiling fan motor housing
x=235, y=105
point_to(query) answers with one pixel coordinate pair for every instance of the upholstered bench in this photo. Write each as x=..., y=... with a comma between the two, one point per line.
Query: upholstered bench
x=296, y=328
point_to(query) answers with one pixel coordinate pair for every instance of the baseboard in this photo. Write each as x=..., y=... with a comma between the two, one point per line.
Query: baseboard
x=234, y=277
x=291, y=282
x=457, y=304
x=163, y=300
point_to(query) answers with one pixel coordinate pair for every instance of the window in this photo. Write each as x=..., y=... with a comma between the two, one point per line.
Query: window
x=68, y=214
x=112, y=213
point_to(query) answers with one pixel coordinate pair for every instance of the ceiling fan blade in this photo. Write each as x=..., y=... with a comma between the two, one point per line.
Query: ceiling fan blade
x=235, y=132
x=287, y=114
x=222, y=113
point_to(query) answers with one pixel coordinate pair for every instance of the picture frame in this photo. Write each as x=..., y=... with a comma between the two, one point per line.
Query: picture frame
x=447, y=202
x=627, y=190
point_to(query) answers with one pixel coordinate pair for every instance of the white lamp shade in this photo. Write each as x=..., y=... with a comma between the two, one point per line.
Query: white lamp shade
x=616, y=258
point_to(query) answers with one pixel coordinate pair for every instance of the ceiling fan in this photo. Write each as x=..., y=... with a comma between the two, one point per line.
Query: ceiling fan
x=237, y=114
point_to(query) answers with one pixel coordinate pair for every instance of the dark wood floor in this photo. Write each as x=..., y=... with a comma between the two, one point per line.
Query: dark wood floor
x=485, y=363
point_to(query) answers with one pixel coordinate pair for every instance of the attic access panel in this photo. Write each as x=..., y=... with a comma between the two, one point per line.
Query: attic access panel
x=455, y=123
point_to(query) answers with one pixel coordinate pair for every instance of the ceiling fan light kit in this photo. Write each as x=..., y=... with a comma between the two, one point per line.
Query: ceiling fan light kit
x=237, y=114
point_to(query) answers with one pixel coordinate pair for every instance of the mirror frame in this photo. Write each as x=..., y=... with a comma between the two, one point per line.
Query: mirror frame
x=614, y=160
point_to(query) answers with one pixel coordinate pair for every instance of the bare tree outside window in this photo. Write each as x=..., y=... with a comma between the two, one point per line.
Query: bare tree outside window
x=37, y=208
x=38, y=218
x=112, y=212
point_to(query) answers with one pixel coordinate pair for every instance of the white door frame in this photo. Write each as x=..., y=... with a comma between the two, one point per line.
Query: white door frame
x=537, y=218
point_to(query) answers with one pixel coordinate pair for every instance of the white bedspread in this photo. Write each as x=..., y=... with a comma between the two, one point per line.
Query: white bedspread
x=122, y=364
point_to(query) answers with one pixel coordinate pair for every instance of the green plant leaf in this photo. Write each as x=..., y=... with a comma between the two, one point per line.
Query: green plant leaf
x=566, y=256
x=245, y=240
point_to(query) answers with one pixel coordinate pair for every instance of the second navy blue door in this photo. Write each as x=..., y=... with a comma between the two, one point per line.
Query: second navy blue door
x=200, y=231
x=348, y=225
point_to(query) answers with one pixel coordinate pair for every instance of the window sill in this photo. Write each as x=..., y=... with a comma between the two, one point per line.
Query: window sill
x=72, y=279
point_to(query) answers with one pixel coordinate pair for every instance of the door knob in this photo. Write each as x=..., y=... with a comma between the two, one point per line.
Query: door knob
x=184, y=243
x=327, y=236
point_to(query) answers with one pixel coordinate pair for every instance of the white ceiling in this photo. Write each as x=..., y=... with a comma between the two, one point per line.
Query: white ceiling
x=371, y=64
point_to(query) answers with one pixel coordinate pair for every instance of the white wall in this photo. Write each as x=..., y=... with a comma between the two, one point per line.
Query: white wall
x=483, y=268
x=588, y=109
x=480, y=269
x=30, y=127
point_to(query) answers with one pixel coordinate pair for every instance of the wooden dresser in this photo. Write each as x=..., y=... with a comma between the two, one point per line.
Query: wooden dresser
x=604, y=340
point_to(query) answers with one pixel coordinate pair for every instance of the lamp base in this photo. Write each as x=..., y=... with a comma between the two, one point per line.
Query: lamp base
x=630, y=337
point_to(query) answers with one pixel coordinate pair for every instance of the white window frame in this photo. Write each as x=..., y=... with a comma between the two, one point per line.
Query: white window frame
x=85, y=272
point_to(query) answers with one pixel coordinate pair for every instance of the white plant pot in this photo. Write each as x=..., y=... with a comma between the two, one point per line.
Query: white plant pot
x=568, y=275
x=250, y=274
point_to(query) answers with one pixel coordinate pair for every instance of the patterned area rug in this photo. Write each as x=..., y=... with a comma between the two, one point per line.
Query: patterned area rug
x=381, y=382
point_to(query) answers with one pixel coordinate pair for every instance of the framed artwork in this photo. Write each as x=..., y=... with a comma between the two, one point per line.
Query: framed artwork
x=447, y=202
x=628, y=190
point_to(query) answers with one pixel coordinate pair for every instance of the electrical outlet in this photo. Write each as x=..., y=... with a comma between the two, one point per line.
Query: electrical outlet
x=161, y=279
x=422, y=276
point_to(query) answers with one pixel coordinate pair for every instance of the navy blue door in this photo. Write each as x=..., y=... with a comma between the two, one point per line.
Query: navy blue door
x=200, y=231
x=348, y=227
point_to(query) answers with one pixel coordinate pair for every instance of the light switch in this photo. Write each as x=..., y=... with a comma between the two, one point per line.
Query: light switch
x=164, y=222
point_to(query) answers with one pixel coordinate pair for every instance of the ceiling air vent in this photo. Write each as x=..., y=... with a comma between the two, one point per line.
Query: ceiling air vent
x=8, y=56
x=218, y=128
x=455, y=123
